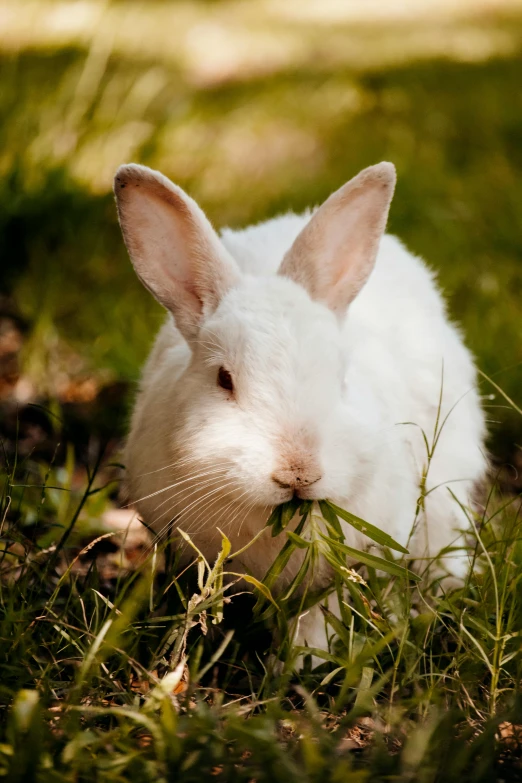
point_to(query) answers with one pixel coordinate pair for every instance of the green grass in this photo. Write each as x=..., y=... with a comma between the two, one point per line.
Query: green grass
x=167, y=675
x=417, y=685
x=248, y=150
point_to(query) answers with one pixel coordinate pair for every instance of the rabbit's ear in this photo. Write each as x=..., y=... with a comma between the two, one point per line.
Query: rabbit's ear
x=335, y=252
x=175, y=251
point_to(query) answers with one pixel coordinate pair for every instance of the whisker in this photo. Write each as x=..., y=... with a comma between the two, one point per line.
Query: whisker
x=200, y=485
x=177, y=463
x=180, y=463
x=218, y=489
x=191, y=505
x=229, y=505
x=243, y=509
x=194, y=529
x=175, y=484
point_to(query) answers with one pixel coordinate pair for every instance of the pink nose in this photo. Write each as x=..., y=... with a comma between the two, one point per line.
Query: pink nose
x=294, y=478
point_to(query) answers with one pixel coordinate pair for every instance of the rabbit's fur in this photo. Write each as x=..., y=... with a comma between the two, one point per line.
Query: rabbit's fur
x=338, y=346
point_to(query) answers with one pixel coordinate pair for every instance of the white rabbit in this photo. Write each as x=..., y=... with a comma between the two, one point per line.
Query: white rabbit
x=303, y=355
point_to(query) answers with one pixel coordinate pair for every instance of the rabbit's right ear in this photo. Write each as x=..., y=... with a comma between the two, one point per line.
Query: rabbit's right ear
x=175, y=251
x=334, y=254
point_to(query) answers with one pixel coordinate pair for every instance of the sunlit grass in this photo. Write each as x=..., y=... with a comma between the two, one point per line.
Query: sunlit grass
x=248, y=149
x=211, y=43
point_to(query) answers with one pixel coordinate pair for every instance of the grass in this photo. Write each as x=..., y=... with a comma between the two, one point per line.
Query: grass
x=170, y=673
x=163, y=674
x=154, y=672
x=247, y=148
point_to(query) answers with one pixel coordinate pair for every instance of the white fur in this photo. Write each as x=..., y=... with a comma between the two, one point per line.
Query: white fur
x=361, y=390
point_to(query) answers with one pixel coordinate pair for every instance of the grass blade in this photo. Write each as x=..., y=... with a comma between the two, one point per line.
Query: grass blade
x=371, y=560
x=377, y=535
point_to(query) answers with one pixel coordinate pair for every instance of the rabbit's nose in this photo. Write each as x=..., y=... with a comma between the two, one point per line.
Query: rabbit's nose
x=295, y=477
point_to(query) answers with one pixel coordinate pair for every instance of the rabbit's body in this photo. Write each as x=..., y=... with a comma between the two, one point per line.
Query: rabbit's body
x=400, y=349
x=306, y=356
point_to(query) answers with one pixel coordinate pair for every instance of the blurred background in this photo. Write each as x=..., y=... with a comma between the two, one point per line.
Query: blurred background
x=254, y=107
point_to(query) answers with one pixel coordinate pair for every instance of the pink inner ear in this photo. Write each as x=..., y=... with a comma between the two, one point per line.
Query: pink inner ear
x=173, y=247
x=157, y=231
x=334, y=254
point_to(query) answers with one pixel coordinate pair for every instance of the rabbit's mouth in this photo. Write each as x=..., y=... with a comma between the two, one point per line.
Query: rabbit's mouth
x=303, y=493
x=308, y=493
x=299, y=483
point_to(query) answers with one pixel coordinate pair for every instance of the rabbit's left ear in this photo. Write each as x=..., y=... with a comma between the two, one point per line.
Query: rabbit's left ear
x=175, y=251
x=335, y=253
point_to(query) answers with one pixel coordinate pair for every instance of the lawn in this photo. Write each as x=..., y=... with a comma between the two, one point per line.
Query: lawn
x=115, y=666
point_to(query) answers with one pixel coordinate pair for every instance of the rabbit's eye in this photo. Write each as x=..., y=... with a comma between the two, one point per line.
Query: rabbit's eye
x=224, y=380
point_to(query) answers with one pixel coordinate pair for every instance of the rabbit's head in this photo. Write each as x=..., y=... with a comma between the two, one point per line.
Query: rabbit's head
x=263, y=400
